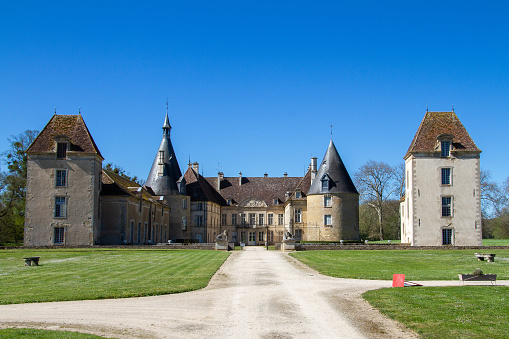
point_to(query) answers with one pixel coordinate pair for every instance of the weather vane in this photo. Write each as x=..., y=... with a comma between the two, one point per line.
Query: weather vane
x=331, y=130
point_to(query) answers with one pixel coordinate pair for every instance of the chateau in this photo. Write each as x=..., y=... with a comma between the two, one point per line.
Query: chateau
x=72, y=200
x=442, y=205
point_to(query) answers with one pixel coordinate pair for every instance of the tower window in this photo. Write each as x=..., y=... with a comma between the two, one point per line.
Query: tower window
x=61, y=150
x=161, y=157
x=445, y=148
x=446, y=176
x=61, y=178
x=327, y=201
x=446, y=206
x=327, y=220
x=446, y=236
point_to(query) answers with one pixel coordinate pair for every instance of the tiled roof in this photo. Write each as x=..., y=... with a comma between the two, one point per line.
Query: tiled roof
x=114, y=184
x=265, y=188
x=71, y=126
x=437, y=123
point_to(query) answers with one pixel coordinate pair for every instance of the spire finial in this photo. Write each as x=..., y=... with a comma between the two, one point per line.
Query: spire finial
x=453, y=107
x=426, y=108
x=331, y=131
x=55, y=111
x=166, y=105
x=79, y=110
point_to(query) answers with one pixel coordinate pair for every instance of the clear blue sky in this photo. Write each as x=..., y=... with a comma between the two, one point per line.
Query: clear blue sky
x=254, y=85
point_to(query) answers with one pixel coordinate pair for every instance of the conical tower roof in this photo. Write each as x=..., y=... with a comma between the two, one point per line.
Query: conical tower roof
x=333, y=170
x=163, y=181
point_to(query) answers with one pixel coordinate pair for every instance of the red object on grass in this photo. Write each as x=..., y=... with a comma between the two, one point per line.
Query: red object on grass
x=398, y=280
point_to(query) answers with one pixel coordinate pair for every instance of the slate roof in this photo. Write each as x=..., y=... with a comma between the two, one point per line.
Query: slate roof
x=165, y=184
x=435, y=124
x=264, y=188
x=332, y=165
x=71, y=126
x=200, y=189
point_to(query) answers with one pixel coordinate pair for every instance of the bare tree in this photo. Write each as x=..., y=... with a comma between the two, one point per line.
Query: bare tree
x=377, y=182
x=494, y=197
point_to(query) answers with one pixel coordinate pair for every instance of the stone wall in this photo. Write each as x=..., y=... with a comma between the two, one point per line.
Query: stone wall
x=322, y=247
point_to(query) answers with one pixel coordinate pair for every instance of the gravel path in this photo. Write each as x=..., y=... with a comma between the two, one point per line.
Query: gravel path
x=255, y=294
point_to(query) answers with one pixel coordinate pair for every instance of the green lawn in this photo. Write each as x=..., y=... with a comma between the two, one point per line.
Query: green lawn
x=42, y=334
x=78, y=274
x=447, y=312
x=495, y=242
x=415, y=264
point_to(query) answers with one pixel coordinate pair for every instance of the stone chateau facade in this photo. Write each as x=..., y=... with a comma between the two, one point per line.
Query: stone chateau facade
x=72, y=201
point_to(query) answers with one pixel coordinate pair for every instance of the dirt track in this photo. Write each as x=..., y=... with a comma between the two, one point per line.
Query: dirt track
x=255, y=294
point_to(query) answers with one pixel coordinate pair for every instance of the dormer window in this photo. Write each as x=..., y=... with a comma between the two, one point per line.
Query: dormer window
x=445, y=148
x=161, y=157
x=229, y=202
x=325, y=183
x=61, y=150
x=275, y=201
x=298, y=194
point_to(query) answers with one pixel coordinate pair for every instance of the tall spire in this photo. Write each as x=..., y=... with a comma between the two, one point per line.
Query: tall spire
x=165, y=171
x=166, y=125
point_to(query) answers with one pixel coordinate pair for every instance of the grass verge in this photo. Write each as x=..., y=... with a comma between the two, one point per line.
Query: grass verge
x=79, y=274
x=29, y=333
x=415, y=264
x=447, y=312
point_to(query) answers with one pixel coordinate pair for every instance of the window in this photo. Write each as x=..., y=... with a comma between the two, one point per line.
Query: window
x=61, y=178
x=243, y=236
x=327, y=201
x=199, y=206
x=275, y=201
x=234, y=219
x=61, y=150
x=252, y=236
x=184, y=204
x=223, y=219
x=260, y=236
x=446, y=206
x=59, y=235
x=298, y=234
x=325, y=183
x=252, y=219
x=184, y=223
x=60, y=207
x=446, y=176
x=280, y=219
x=445, y=148
x=270, y=236
x=131, y=233
x=446, y=236
x=327, y=220
x=243, y=219
x=260, y=219
x=270, y=219
x=298, y=215
x=229, y=202
x=198, y=220
x=139, y=232
x=161, y=157
x=297, y=195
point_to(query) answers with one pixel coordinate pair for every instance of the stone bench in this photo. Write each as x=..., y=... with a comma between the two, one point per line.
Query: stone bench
x=487, y=257
x=474, y=277
x=32, y=260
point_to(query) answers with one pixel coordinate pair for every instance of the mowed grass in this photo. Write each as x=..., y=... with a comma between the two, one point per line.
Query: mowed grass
x=79, y=274
x=447, y=312
x=415, y=264
x=495, y=242
x=29, y=333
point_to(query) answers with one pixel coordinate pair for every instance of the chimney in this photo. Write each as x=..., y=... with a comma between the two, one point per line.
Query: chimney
x=285, y=175
x=240, y=178
x=220, y=177
x=313, y=168
x=196, y=167
x=265, y=175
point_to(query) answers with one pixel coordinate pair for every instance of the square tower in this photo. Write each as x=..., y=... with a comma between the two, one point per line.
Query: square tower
x=442, y=204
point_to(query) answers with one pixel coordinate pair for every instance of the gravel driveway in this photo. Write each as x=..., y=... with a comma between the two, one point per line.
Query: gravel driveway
x=255, y=294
